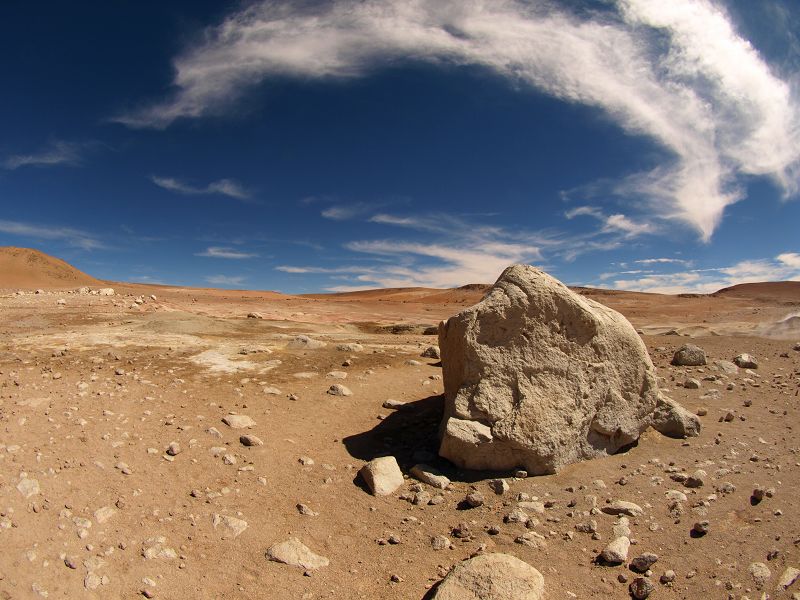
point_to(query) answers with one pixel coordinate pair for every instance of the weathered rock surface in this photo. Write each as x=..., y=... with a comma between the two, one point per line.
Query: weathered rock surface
x=492, y=577
x=540, y=377
x=689, y=355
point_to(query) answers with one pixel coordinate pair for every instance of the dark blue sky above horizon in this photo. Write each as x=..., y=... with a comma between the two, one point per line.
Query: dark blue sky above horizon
x=322, y=146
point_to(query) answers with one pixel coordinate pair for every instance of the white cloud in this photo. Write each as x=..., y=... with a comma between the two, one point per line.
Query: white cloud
x=676, y=72
x=790, y=259
x=55, y=153
x=616, y=223
x=784, y=267
x=655, y=261
x=220, y=252
x=226, y=280
x=223, y=187
x=73, y=237
x=344, y=212
x=323, y=270
x=462, y=253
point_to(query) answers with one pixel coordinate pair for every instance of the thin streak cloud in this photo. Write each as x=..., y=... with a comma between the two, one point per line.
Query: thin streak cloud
x=229, y=253
x=53, y=154
x=222, y=187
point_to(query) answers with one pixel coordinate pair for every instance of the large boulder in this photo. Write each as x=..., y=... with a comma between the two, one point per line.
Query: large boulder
x=537, y=376
x=492, y=577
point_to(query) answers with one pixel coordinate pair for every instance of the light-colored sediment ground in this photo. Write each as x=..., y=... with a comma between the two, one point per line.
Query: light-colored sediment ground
x=93, y=392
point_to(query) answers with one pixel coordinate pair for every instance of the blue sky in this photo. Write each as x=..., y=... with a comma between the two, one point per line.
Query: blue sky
x=312, y=146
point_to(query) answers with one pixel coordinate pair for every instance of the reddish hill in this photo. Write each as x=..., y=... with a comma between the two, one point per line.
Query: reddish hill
x=768, y=291
x=29, y=269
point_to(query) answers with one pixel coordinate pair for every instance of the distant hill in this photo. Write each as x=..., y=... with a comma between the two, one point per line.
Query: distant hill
x=25, y=268
x=781, y=291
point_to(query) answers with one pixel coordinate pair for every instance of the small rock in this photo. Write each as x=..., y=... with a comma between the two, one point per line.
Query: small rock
x=701, y=528
x=641, y=588
x=232, y=526
x=643, y=562
x=474, y=499
x=760, y=573
x=499, y=486
x=430, y=476
x=382, y=475
x=337, y=389
x=692, y=384
x=173, y=449
x=431, y=352
x=790, y=575
x=621, y=507
x=616, y=552
x=294, y=552
x=689, y=355
x=745, y=361
x=250, y=440
x=238, y=421
x=441, y=542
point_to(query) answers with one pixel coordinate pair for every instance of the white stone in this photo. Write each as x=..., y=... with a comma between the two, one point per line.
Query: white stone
x=382, y=475
x=294, y=552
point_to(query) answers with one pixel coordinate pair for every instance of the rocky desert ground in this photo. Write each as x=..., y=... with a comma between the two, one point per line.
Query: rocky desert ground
x=172, y=443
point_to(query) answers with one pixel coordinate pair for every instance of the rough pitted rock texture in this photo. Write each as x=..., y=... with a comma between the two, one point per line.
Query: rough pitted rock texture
x=537, y=376
x=689, y=355
x=492, y=577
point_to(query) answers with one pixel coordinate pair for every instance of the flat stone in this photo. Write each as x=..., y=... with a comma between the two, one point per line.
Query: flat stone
x=28, y=487
x=103, y=514
x=621, y=507
x=231, y=526
x=430, y=476
x=789, y=576
x=250, y=440
x=294, y=552
x=337, y=389
x=238, y=421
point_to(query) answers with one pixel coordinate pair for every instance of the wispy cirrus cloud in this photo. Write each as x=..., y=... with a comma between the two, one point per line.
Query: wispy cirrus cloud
x=784, y=267
x=226, y=280
x=57, y=152
x=614, y=223
x=229, y=253
x=222, y=187
x=661, y=261
x=461, y=253
x=344, y=212
x=37, y=231
x=677, y=72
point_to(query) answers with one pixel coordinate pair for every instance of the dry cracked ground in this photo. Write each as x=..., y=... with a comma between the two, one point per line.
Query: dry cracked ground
x=121, y=477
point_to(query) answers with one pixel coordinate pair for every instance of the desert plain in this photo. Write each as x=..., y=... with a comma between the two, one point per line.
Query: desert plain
x=120, y=476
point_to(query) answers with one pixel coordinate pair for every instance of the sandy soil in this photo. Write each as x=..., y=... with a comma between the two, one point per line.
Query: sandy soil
x=94, y=390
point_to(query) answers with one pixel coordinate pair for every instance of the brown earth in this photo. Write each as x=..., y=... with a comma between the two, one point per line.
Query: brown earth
x=92, y=392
